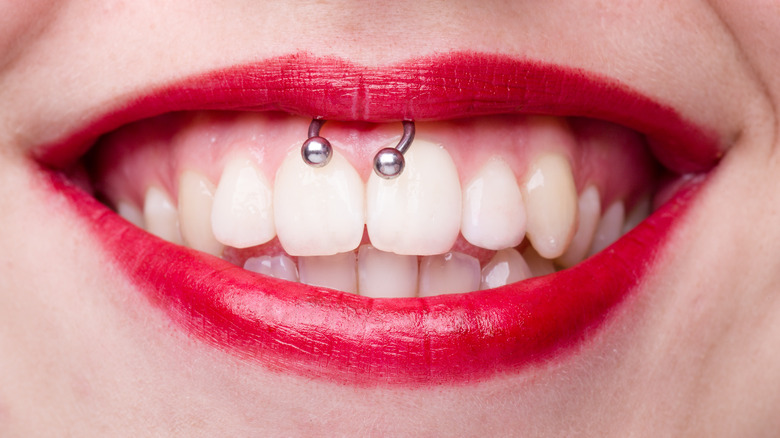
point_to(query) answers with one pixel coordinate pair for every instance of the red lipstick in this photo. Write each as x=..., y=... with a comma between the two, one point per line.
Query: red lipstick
x=346, y=338
x=443, y=87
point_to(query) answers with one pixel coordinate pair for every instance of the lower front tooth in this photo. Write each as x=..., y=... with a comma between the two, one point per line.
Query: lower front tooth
x=196, y=196
x=318, y=211
x=506, y=267
x=334, y=271
x=279, y=266
x=610, y=227
x=160, y=216
x=243, y=215
x=589, y=206
x=418, y=212
x=493, y=209
x=386, y=275
x=449, y=273
x=538, y=265
x=551, y=204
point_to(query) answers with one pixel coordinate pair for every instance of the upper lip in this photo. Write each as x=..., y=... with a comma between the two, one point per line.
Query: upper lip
x=350, y=338
x=443, y=87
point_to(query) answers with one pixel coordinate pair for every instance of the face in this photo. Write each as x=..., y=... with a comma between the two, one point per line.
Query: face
x=582, y=237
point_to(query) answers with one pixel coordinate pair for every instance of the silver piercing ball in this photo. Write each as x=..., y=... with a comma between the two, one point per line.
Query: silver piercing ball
x=389, y=162
x=316, y=151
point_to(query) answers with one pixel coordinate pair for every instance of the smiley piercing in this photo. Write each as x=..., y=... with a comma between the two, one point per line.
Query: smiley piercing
x=316, y=151
x=388, y=162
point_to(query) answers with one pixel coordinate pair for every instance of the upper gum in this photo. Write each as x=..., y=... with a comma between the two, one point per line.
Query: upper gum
x=206, y=141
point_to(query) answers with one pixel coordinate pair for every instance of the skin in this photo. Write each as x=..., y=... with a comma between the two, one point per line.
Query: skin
x=692, y=353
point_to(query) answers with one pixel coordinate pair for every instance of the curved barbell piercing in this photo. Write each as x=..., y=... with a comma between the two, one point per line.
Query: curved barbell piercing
x=316, y=151
x=388, y=162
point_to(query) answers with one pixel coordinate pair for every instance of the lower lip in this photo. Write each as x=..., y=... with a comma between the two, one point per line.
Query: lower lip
x=314, y=332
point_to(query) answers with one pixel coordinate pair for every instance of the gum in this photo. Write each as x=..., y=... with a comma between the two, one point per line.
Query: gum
x=155, y=151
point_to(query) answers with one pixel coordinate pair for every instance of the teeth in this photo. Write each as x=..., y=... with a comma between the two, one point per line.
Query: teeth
x=609, y=228
x=387, y=275
x=242, y=215
x=334, y=271
x=493, y=209
x=589, y=206
x=196, y=195
x=279, y=267
x=539, y=265
x=551, y=203
x=449, y=273
x=160, y=216
x=130, y=213
x=640, y=212
x=420, y=211
x=318, y=211
x=506, y=267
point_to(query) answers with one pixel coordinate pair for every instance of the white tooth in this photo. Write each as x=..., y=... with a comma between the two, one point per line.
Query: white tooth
x=334, y=271
x=318, y=211
x=130, y=213
x=418, y=212
x=539, y=265
x=640, y=212
x=160, y=216
x=551, y=204
x=609, y=228
x=506, y=267
x=279, y=266
x=242, y=215
x=449, y=273
x=196, y=196
x=493, y=208
x=386, y=275
x=589, y=206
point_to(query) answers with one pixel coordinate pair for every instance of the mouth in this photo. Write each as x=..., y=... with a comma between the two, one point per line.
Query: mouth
x=536, y=198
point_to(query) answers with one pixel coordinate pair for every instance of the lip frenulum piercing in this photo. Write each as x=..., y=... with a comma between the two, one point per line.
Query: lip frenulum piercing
x=388, y=162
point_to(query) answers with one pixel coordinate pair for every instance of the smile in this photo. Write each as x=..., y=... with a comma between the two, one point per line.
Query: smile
x=498, y=246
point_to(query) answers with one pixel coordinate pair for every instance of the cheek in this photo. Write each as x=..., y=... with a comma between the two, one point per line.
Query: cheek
x=21, y=21
x=756, y=30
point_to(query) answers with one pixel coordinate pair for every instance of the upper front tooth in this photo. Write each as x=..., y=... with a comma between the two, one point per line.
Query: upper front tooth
x=589, y=206
x=551, y=202
x=318, y=211
x=386, y=275
x=196, y=196
x=242, y=215
x=160, y=216
x=609, y=228
x=449, y=273
x=493, y=209
x=506, y=267
x=418, y=212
